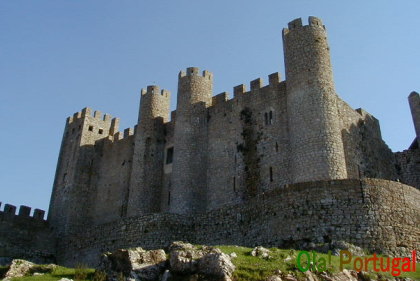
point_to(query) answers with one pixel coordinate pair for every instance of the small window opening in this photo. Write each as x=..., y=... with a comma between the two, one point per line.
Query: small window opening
x=91, y=128
x=266, y=118
x=270, y=117
x=234, y=184
x=277, y=147
x=101, y=131
x=169, y=198
x=64, y=176
x=72, y=130
x=169, y=155
x=271, y=174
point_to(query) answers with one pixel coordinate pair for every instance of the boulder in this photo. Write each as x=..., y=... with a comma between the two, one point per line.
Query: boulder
x=345, y=275
x=136, y=263
x=274, y=278
x=19, y=268
x=336, y=246
x=216, y=264
x=203, y=260
x=289, y=277
x=260, y=252
x=310, y=276
x=184, y=257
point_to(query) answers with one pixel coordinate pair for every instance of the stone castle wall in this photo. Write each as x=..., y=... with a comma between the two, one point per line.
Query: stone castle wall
x=246, y=143
x=113, y=161
x=367, y=155
x=224, y=151
x=363, y=212
x=24, y=236
x=188, y=184
x=73, y=192
x=230, y=170
x=314, y=125
x=146, y=178
x=408, y=167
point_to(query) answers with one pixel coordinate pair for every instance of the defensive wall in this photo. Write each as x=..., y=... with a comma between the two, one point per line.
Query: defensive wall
x=235, y=171
x=379, y=215
x=25, y=236
x=224, y=150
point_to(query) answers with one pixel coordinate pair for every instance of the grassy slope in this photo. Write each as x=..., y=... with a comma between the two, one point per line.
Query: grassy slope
x=248, y=268
x=61, y=272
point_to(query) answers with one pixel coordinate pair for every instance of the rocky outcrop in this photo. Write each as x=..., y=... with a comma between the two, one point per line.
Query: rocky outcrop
x=185, y=260
x=260, y=252
x=334, y=246
x=135, y=263
x=19, y=268
x=202, y=260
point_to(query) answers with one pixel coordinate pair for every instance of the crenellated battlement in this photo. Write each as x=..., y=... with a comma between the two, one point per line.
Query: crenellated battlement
x=195, y=71
x=128, y=132
x=220, y=98
x=297, y=24
x=154, y=89
x=87, y=112
x=256, y=84
x=219, y=161
x=9, y=213
x=101, y=124
x=238, y=90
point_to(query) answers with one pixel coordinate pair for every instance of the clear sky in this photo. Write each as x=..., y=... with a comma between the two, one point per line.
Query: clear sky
x=57, y=57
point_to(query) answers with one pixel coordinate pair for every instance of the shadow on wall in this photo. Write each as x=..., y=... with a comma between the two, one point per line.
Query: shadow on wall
x=367, y=155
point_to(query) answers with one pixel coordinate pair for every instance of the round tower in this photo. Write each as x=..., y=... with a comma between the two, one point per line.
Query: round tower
x=149, y=144
x=154, y=103
x=193, y=87
x=188, y=184
x=317, y=151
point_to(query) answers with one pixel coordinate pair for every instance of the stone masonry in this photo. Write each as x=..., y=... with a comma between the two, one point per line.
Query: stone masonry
x=281, y=164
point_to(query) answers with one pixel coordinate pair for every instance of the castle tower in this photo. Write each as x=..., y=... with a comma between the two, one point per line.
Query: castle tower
x=188, y=184
x=316, y=143
x=414, y=100
x=146, y=177
x=72, y=191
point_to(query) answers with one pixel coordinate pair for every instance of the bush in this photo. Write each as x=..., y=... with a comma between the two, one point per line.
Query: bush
x=80, y=272
x=99, y=276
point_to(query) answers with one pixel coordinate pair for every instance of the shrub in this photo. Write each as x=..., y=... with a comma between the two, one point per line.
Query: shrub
x=99, y=276
x=80, y=272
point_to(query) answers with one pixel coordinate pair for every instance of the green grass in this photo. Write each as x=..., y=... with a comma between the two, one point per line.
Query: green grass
x=249, y=268
x=58, y=273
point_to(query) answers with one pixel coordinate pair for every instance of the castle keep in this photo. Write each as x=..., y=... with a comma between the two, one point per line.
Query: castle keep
x=284, y=163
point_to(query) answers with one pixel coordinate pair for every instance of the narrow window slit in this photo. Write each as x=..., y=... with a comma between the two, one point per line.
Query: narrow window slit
x=271, y=174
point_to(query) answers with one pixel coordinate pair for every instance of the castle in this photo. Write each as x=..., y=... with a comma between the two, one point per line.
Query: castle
x=282, y=164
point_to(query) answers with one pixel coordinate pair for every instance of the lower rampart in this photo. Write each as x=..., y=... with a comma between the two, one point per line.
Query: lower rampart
x=379, y=215
x=25, y=237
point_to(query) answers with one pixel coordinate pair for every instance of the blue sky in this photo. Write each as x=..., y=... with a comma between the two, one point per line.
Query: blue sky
x=57, y=57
